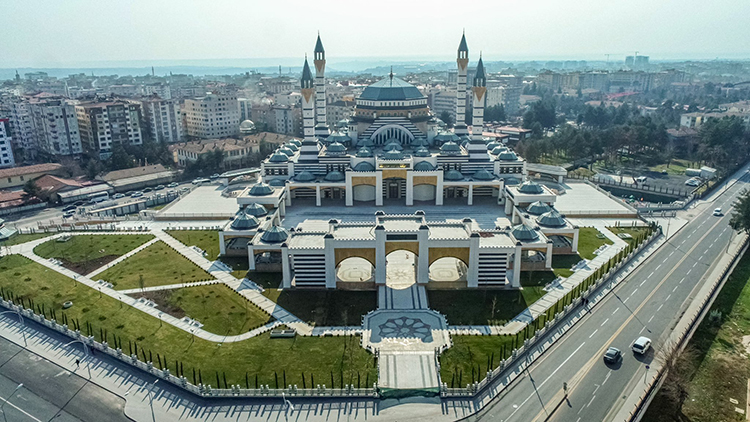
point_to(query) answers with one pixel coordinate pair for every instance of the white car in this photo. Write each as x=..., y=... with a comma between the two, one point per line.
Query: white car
x=718, y=213
x=641, y=345
x=693, y=182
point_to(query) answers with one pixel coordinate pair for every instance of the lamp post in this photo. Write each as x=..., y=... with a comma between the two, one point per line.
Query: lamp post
x=10, y=396
x=85, y=353
x=20, y=319
x=151, y=401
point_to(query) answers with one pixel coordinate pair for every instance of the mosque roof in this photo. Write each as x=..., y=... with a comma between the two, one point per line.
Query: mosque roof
x=422, y=152
x=507, y=156
x=523, y=233
x=336, y=148
x=391, y=89
x=278, y=183
x=453, y=175
x=393, y=155
x=450, y=148
x=393, y=146
x=334, y=176
x=275, y=234
x=364, y=166
x=256, y=209
x=551, y=218
x=278, y=157
x=304, y=176
x=538, y=208
x=424, y=166
x=530, y=188
x=364, y=152
x=244, y=221
x=261, y=189
x=482, y=174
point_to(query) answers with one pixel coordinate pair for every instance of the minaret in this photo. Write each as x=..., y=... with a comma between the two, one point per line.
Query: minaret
x=309, y=149
x=463, y=67
x=321, y=128
x=477, y=147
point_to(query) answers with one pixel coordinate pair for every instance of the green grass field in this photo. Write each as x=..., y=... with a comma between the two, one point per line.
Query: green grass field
x=472, y=353
x=633, y=231
x=23, y=238
x=220, y=309
x=158, y=264
x=320, y=357
x=208, y=240
x=676, y=167
x=588, y=241
x=325, y=307
x=85, y=253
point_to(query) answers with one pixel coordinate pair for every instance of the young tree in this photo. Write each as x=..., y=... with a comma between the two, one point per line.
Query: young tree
x=447, y=118
x=31, y=188
x=741, y=214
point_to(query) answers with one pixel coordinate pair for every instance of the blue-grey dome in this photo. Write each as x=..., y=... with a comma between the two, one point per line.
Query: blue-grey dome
x=391, y=89
x=422, y=152
x=551, y=218
x=286, y=151
x=261, y=189
x=393, y=146
x=339, y=137
x=244, y=221
x=482, y=174
x=424, y=166
x=507, y=156
x=450, y=147
x=304, y=176
x=296, y=142
x=393, y=155
x=279, y=183
x=510, y=180
x=256, y=209
x=499, y=150
x=366, y=142
x=364, y=166
x=530, y=188
x=538, y=208
x=524, y=233
x=419, y=142
x=364, y=152
x=275, y=234
x=334, y=176
x=447, y=137
x=278, y=157
x=336, y=148
x=492, y=145
x=453, y=175
x=292, y=147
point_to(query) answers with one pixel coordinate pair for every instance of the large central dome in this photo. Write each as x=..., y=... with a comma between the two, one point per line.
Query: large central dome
x=391, y=89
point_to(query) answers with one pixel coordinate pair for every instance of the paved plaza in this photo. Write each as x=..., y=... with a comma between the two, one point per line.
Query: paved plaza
x=582, y=198
x=204, y=202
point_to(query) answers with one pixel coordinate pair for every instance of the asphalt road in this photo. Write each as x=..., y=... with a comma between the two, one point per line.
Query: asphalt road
x=648, y=302
x=49, y=392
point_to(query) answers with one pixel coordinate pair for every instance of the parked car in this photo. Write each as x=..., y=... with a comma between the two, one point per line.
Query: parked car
x=69, y=208
x=641, y=345
x=185, y=189
x=718, y=213
x=215, y=176
x=200, y=181
x=173, y=185
x=118, y=196
x=612, y=355
x=79, y=203
x=693, y=182
x=147, y=190
x=136, y=194
x=160, y=187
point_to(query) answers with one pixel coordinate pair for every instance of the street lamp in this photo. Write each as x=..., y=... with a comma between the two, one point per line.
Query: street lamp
x=151, y=401
x=20, y=319
x=10, y=396
x=85, y=352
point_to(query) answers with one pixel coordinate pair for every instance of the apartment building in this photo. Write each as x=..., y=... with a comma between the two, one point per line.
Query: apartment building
x=288, y=119
x=6, y=147
x=105, y=124
x=212, y=116
x=55, y=125
x=162, y=119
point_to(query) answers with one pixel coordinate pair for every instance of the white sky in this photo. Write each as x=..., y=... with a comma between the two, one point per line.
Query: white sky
x=51, y=33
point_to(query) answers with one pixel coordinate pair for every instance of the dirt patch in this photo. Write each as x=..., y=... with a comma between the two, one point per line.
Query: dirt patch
x=746, y=344
x=85, y=267
x=161, y=298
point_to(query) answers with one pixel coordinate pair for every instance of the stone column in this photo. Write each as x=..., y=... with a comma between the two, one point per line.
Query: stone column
x=250, y=257
x=349, y=190
x=439, y=189
x=423, y=261
x=330, y=261
x=409, y=189
x=317, y=196
x=472, y=278
x=380, y=254
x=288, y=198
x=286, y=270
x=222, y=246
x=516, y=280
x=471, y=194
x=548, y=263
x=378, y=188
x=575, y=239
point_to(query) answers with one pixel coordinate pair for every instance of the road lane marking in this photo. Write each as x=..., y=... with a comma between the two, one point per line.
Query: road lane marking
x=615, y=311
x=681, y=280
x=607, y=377
x=657, y=267
x=605, y=321
x=649, y=276
x=668, y=296
x=592, y=334
x=591, y=401
x=20, y=410
x=687, y=273
x=695, y=263
x=659, y=308
x=675, y=288
x=652, y=317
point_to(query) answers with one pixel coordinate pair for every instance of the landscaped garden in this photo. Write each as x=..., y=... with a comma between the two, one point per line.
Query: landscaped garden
x=156, y=265
x=325, y=307
x=208, y=240
x=589, y=240
x=470, y=357
x=23, y=238
x=220, y=309
x=634, y=232
x=304, y=361
x=85, y=253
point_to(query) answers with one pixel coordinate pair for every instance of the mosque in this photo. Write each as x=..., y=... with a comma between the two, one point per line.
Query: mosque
x=395, y=151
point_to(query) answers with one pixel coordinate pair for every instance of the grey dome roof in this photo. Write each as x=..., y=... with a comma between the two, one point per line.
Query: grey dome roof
x=492, y=145
x=247, y=124
x=538, y=208
x=366, y=142
x=393, y=155
x=393, y=146
x=499, y=150
x=453, y=175
x=296, y=142
x=510, y=180
x=524, y=233
x=339, y=137
x=335, y=176
x=275, y=234
x=551, y=219
x=279, y=183
x=424, y=166
x=364, y=166
x=447, y=137
x=261, y=189
x=422, y=152
x=507, y=156
x=419, y=142
x=336, y=148
x=391, y=89
x=450, y=147
x=530, y=188
x=244, y=221
x=304, y=176
x=364, y=152
x=292, y=146
x=278, y=157
x=342, y=123
x=286, y=151
x=482, y=174
x=256, y=209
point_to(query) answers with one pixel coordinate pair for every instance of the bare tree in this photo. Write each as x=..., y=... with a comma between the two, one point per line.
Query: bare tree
x=680, y=367
x=141, y=282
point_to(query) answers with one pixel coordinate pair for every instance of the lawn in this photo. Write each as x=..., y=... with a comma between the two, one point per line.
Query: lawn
x=267, y=359
x=158, y=265
x=208, y=240
x=85, y=253
x=23, y=238
x=633, y=231
x=325, y=307
x=220, y=309
x=265, y=280
x=474, y=307
x=589, y=241
x=562, y=264
x=469, y=357
x=676, y=167
x=720, y=359
x=239, y=265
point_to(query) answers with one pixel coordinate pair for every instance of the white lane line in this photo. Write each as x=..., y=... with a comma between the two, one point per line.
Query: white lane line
x=659, y=308
x=615, y=311
x=652, y=317
x=681, y=280
x=668, y=296
x=665, y=260
x=695, y=263
x=591, y=401
x=649, y=276
x=641, y=332
x=605, y=321
x=658, y=266
x=592, y=334
x=687, y=273
x=636, y=289
x=672, y=253
x=543, y=382
x=596, y=389
x=579, y=419
x=21, y=410
x=643, y=282
x=626, y=299
x=675, y=288
x=607, y=377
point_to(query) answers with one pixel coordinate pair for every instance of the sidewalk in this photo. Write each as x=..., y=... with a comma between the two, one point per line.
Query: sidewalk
x=120, y=259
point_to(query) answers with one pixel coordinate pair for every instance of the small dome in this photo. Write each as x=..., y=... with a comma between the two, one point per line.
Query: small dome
x=419, y=142
x=247, y=126
x=537, y=208
x=453, y=175
x=339, y=137
x=278, y=157
x=440, y=123
x=510, y=180
x=244, y=221
x=275, y=234
x=334, y=176
x=551, y=219
x=256, y=210
x=499, y=150
x=393, y=155
x=279, y=183
x=492, y=145
x=482, y=174
x=261, y=189
x=447, y=137
x=343, y=123
x=365, y=142
x=393, y=146
x=524, y=233
x=364, y=152
x=364, y=166
x=450, y=148
x=336, y=148
x=422, y=152
x=530, y=188
x=507, y=156
x=304, y=176
x=296, y=142
x=291, y=146
x=424, y=166
x=286, y=151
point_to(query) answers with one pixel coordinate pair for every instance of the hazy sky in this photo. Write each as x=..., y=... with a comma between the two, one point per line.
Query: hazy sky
x=52, y=33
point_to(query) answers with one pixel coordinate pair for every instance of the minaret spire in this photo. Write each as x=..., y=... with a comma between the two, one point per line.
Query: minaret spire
x=463, y=62
x=321, y=126
x=477, y=147
x=309, y=149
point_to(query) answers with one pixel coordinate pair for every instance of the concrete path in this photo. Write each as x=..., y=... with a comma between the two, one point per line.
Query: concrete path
x=408, y=371
x=120, y=259
x=168, y=287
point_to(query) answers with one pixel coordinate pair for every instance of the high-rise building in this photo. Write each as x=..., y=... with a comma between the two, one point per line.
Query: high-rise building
x=162, y=119
x=55, y=126
x=246, y=106
x=212, y=116
x=21, y=126
x=6, y=147
x=106, y=124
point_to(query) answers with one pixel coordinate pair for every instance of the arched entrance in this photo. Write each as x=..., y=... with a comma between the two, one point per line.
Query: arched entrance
x=394, y=188
x=355, y=269
x=392, y=132
x=448, y=269
x=400, y=269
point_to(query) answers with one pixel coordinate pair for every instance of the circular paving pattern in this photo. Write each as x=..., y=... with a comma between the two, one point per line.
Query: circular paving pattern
x=406, y=327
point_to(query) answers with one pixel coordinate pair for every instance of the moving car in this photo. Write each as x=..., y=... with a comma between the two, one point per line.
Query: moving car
x=641, y=345
x=718, y=213
x=136, y=194
x=173, y=185
x=612, y=355
x=215, y=176
x=147, y=190
x=69, y=214
x=200, y=181
x=118, y=196
x=69, y=208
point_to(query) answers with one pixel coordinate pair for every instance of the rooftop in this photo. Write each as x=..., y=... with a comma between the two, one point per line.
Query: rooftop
x=33, y=169
x=391, y=89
